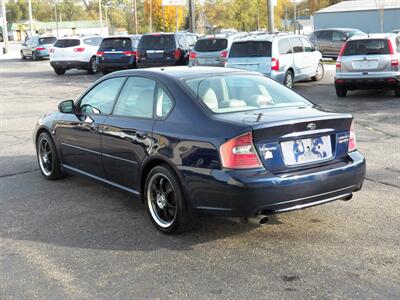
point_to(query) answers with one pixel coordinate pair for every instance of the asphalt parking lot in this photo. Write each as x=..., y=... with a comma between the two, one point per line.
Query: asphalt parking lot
x=76, y=239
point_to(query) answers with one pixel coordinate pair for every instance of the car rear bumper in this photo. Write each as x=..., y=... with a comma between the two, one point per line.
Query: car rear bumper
x=150, y=64
x=41, y=53
x=115, y=66
x=69, y=64
x=368, y=82
x=249, y=193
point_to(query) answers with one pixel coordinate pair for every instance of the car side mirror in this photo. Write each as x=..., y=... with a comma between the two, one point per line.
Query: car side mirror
x=66, y=106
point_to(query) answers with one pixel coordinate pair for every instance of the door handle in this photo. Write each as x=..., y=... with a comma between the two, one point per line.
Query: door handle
x=141, y=135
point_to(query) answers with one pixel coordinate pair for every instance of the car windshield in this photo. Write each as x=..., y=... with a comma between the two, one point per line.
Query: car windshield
x=116, y=44
x=210, y=45
x=368, y=46
x=232, y=93
x=157, y=42
x=251, y=49
x=47, y=40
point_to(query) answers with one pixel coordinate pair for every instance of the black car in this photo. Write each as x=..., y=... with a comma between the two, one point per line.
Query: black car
x=190, y=140
x=117, y=53
x=331, y=40
x=37, y=47
x=165, y=49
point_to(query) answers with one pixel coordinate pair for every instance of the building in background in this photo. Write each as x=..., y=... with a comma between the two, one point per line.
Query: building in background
x=19, y=31
x=361, y=14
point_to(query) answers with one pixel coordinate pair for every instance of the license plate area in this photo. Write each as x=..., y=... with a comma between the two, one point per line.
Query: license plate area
x=308, y=150
x=365, y=64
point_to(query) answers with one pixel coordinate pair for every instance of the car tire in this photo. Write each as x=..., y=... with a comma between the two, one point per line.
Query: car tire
x=92, y=68
x=47, y=156
x=288, y=79
x=23, y=56
x=397, y=92
x=33, y=57
x=165, y=202
x=59, y=71
x=341, y=92
x=319, y=73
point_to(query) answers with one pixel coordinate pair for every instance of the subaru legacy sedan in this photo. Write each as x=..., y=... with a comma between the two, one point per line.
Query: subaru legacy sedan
x=190, y=140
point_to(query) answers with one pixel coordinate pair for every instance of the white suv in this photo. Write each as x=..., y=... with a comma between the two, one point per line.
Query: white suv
x=75, y=53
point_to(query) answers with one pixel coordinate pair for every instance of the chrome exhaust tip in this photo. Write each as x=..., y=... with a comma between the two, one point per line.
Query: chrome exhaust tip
x=348, y=197
x=260, y=220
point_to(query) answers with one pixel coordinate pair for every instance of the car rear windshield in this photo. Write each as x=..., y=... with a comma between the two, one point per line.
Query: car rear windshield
x=47, y=40
x=232, y=93
x=65, y=43
x=210, y=45
x=117, y=44
x=157, y=42
x=251, y=49
x=365, y=47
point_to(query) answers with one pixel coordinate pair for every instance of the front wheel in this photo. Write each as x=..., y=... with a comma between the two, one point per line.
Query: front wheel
x=47, y=157
x=288, y=80
x=165, y=201
x=341, y=92
x=92, y=69
x=319, y=73
x=59, y=71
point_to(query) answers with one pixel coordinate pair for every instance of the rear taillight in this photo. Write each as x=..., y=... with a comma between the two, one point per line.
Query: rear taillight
x=177, y=54
x=100, y=53
x=79, y=49
x=40, y=49
x=339, y=58
x=223, y=54
x=240, y=153
x=352, y=139
x=192, y=55
x=394, y=60
x=275, y=64
x=129, y=53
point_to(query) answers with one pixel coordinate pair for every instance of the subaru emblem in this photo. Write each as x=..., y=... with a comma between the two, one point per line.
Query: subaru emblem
x=311, y=126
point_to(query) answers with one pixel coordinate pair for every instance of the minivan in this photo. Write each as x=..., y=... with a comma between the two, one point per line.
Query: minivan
x=287, y=58
x=164, y=49
x=117, y=53
x=37, y=47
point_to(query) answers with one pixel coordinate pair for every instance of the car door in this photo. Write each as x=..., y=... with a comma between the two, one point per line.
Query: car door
x=25, y=47
x=338, y=39
x=127, y=132
x=299, y=59
x=324, y=41
x=311, y=57
x=79, y=133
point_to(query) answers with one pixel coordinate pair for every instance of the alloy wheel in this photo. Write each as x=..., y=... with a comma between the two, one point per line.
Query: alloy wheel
x=289, y=80
x=45, y=157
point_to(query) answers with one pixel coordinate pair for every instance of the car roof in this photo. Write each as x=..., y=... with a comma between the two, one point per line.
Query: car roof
x=266, y=37
x=79, y=37
x=132, y=36
x=373, y=36
x=338, y=29
x=182, y=72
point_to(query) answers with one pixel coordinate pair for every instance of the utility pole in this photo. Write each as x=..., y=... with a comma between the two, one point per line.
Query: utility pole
x=151, y=15
x=101, y=18
x=5, y=31
x=30, y=17
x=136, y=19
x=56, y=18
x=192, y=21
x=177, y=17
x=294, y=16
x=270, y=20
x=258, y=15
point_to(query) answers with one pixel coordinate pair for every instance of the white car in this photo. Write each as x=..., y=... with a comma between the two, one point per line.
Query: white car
x=75, y=53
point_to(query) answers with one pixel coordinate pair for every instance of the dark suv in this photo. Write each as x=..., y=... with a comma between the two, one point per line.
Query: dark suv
x=330, y=41
x=164, y=49
x=117, y=53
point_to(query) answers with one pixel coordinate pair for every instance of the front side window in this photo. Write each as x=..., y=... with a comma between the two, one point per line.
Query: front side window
x=338, y=36
x=100, y=99
x=163, y=103
x=325, y=35
x=93, y=41
x=136, y=99
x=297, y=45
x=232, y=93
x=308, y=47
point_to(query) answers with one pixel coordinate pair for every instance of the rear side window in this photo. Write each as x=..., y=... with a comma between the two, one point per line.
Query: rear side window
x=210, y=45
x=47, y=40
x=325, y=35
x=157, y=42
x=94, y=41
x=116, y=44
x=297, y=45
x=65, y=43
x=365, y=47
x=338, y=36
x=251, y=49
x=284, y=46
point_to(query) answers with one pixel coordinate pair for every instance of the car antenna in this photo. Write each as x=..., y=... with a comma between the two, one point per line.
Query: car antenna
x=259, y=117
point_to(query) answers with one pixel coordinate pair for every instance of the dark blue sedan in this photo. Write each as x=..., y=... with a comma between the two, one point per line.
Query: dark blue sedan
x=191, y=140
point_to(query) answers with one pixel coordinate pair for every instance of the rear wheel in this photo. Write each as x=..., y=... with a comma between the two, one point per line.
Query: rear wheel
x=92, y=69
x=341, y=92
x=397, y=92
x=319, y=73
x=47, y=157
x=165, y=201
x=288, y=80
x=59, y=71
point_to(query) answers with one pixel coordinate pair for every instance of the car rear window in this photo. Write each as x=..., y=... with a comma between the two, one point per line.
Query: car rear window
x=117, y=44
x=157, y=42
x=365, y=47
x=251, y=49
x=65, y=43
x=210, y=45
x=47, y=40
